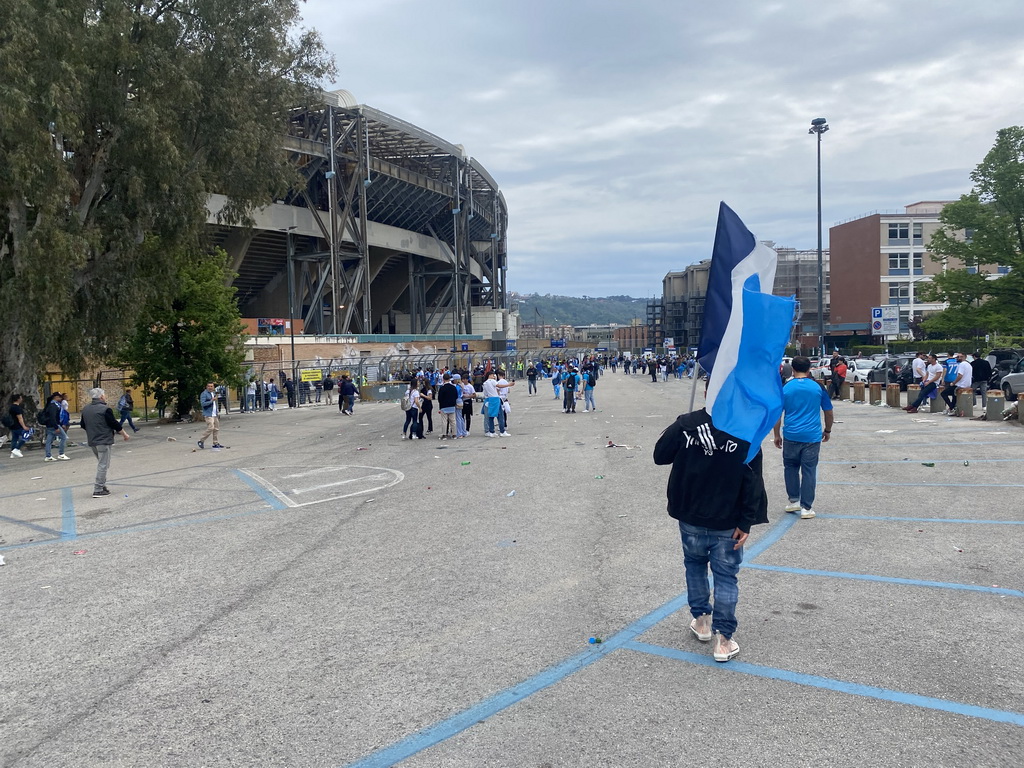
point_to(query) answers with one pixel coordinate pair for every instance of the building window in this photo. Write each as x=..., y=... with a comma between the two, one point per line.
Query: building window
x=1002, y=270
x=918, y=234
x=898, y=231
x=968, y=235
x=899, y=263
x=972, y=270
x=899, y=293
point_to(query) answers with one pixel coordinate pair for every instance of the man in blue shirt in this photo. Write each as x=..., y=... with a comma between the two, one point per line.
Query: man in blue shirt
x=803, y=402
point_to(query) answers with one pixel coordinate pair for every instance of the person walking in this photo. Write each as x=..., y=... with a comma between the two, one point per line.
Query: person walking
x=411, y=406
x=15, y=421
x=570, y=384
x=448, y=398
x=716, y=499
x=100, y=427
x=531, y=381
x=328, y=387
x=289, y=388
x=126, y=405
x=932, y=377
x=51, y=420
x=589, y=382
x=426, y=407
x=208, y=402
x=346, y=395
x=468, y=398
x=803, y=402
x=556, y=380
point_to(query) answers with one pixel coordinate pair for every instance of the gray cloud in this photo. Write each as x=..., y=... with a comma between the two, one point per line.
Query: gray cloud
x=615, y=128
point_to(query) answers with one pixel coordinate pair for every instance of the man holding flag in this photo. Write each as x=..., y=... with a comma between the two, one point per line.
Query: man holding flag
x=715, y=488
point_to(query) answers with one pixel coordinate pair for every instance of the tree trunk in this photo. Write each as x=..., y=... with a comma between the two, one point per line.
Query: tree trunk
x=17, y=372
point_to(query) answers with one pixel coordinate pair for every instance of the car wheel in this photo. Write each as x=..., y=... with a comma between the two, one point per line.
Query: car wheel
x=1008, y=393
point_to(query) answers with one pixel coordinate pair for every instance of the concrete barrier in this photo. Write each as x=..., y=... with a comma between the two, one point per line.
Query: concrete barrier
x=913, y=392
x=381, y=392
x=875, y=393
x=858, y=392
x=995, y=406
x=892, y=396
x=844, y=391
x=937, y=404
x=965, y=401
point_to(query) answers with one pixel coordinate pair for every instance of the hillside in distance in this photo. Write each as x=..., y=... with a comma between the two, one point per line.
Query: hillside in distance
x=536, y=309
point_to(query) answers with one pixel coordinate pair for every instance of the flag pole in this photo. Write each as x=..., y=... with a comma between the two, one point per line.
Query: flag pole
x=696, y=378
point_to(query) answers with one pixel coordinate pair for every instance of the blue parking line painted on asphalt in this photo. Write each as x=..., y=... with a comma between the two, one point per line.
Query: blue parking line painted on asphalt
x=33, y=526
x=888, y=580
x=933, y=461
x=830, y=684
x=920, y=519
x=502, y=700
x=68, y=524
x=260, y=491
x=926, y=485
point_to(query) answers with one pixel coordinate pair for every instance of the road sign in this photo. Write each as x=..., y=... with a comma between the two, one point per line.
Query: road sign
x=311, y=374
x=885, y=321
x=557, y=343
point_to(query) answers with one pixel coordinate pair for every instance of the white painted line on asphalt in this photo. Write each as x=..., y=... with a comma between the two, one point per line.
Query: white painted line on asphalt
x=317, y=471
x=380, y=476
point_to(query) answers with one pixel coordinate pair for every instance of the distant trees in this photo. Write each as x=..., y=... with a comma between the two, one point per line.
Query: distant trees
x=993, y=217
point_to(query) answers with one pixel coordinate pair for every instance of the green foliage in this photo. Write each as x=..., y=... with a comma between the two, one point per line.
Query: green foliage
x=535, y=309
x=117, y=120
x=993, y=213
x=191, y=338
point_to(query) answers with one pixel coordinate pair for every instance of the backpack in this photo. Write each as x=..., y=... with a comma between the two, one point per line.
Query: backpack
x=41, y=416
x=570, y=382
x=591, y=380
x=7, y=420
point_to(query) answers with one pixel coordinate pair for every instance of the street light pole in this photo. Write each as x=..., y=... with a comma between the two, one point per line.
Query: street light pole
x=818, y=126
x=291, y=294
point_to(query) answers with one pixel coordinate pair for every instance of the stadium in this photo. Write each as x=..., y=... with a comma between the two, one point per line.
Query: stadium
x=397, y=231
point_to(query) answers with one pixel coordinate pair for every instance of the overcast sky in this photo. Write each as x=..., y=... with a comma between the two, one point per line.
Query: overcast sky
x=615, y=128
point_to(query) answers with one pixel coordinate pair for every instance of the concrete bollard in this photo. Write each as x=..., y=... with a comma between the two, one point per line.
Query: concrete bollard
x=937, y=404
x=844, y=391
x=858, y=391
x=913, y=392
x=996, y=404
x=875, y=393
x=965, y=401
x=892, y=395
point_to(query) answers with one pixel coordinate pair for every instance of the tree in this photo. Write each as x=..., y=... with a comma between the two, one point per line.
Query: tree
x=193, y=337
x=118, y=119
x=992, y=216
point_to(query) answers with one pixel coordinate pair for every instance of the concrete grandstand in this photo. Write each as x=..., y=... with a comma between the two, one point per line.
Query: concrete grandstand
x=397, y=231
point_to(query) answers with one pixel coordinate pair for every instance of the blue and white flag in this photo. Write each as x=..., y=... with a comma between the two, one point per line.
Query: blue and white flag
x=744, y=334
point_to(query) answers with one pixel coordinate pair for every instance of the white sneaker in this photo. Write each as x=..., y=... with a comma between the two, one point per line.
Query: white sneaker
x=17, y=454
x=793, y=506
x=50, y=458
x=701, y=627
x=491, y=434
x=586, y=410
x=414, y=438
x=724, y=650
x=806, y=514
x=62, y=457
x=506, y=434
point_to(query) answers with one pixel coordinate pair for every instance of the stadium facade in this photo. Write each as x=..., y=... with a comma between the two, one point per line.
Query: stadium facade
x=396, y=231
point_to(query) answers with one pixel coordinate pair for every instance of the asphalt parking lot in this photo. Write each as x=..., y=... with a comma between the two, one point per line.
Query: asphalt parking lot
x=322, y=593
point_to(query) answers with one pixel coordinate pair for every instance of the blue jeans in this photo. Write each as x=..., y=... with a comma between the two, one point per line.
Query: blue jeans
x=800, y=467
x=588, y=399
x=531, y=386
x=17, y=437
x=411, y=417
x=126, y=415
x=62, y=439
x=703, y=547
x=926, y=390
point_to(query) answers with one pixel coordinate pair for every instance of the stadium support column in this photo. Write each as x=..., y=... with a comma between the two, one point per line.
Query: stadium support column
x=332, y=204
x=364, y=245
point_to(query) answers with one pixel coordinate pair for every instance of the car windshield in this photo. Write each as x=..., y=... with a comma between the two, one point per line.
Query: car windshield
x=862, y=365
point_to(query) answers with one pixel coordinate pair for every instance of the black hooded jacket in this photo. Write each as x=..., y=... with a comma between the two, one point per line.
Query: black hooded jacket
x=709, y=485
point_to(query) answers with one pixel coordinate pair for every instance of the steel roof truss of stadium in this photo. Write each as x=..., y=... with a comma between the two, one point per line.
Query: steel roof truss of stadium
x=392, y=219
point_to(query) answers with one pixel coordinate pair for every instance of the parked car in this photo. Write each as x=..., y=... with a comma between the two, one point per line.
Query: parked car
x=1003, y=361
x=857, y=370
x=1013, y=382
x=893, y=370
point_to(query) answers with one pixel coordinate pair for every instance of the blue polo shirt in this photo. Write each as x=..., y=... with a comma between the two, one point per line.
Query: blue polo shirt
x=802, y=401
